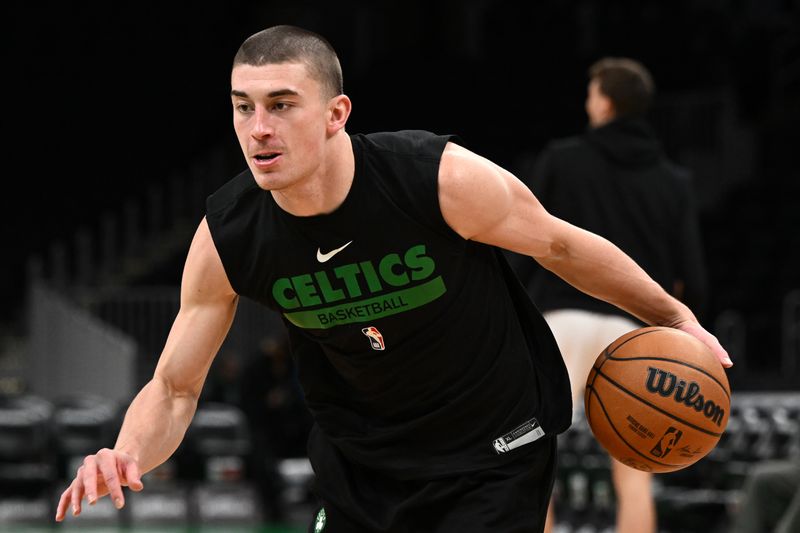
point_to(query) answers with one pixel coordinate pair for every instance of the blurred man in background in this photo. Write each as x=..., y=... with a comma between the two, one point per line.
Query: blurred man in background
x=770, y=498
x=277, y=416
x=616, y=181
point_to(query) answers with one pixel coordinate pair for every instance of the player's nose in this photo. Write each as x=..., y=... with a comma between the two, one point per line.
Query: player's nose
x=262, y=125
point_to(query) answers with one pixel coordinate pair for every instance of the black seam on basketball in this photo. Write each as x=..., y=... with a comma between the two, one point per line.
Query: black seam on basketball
x=587, y=405
x=605, y=353
x=594, y=378
x=655, y=358
x=610, y=423
x=682, y=421
x=626, y=341
x=589, y=383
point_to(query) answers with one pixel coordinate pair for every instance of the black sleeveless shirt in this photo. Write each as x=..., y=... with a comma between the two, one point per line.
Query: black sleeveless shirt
x=419, y=352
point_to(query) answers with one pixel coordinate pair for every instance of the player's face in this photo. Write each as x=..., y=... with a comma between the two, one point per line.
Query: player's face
x=280, y=118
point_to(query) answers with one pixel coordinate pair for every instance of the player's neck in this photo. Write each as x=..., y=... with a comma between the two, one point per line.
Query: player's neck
x=326, y=189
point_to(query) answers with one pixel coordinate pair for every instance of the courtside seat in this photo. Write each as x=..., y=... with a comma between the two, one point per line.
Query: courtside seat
x=218, y=440
x=26, y=463
x=82, y=424
x=26, y=466
x=225, y=504
x=160, y=504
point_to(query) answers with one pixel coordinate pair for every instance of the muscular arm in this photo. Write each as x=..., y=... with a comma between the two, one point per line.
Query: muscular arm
x=483, y=202
x=158, y=417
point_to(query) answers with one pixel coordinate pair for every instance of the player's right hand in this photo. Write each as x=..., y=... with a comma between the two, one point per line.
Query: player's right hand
x=105, y=472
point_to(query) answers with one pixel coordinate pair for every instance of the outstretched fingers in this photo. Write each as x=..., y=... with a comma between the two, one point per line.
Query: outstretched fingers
x=103, y=473
x=61, y=508
x=88, y=474
x=71, y=497
x=107, y=465
x=133, y=478
x=710, y=341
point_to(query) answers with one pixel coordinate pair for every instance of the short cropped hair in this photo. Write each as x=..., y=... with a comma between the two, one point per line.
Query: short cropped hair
x=289, y=44
x=626, y=82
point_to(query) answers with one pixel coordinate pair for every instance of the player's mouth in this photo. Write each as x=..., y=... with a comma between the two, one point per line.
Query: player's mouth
x=264, y=160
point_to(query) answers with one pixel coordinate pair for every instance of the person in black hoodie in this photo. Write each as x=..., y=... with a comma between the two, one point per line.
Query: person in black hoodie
x=616, y=181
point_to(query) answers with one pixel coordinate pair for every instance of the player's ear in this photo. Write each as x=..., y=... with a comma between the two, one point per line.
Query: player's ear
x=610, y=109
x=607, y=109
x=339, y=108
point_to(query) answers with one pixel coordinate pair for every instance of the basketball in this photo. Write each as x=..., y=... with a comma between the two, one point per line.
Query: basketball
x=657, y=399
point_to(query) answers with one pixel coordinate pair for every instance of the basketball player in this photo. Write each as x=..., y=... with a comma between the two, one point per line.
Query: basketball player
x=615, y=181
x=436, y=387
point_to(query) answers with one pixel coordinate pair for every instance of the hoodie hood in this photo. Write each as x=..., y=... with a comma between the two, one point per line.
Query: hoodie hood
x=628, y=142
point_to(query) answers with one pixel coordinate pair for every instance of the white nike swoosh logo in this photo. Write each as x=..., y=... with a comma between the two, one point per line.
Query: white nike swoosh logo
x=326, y=256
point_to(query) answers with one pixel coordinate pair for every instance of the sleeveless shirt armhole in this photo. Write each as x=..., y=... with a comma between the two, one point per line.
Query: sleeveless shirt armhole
x=230, y=192
x=420, y=190
x=450, y=232
x=224, y=253
x=218, y=205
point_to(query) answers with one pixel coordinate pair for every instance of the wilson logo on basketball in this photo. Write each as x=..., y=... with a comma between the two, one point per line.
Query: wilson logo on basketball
x=668, y=384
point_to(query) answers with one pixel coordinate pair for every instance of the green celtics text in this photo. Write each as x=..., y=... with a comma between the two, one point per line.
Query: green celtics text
x=360, y=291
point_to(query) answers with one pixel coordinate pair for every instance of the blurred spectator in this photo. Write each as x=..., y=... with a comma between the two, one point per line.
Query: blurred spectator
x=770, y=499
x=273, y=400
x=278, y=418
x=223, y=387
x=615, y=180
x=224, y=384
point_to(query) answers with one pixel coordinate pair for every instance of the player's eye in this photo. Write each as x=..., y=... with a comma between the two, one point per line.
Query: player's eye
x=242, y=107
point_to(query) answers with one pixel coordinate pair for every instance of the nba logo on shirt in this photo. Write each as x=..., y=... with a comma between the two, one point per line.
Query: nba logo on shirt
x=500, y=445
x=375, y=338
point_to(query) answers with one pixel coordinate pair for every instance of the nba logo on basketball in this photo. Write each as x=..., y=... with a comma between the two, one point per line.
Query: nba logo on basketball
x=667, y=442
x=375, y=338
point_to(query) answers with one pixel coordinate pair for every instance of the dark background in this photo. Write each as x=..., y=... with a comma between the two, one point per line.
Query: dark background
x=102, y=100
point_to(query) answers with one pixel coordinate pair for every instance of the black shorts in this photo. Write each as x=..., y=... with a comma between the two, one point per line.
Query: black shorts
x=511, y=498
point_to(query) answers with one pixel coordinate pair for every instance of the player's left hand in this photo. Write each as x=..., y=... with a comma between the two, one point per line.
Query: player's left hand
x=696, y=330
